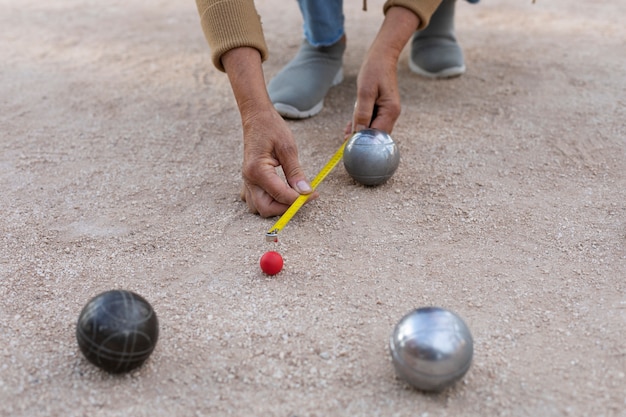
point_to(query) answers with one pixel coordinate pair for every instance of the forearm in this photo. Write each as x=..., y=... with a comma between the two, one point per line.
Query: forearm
x=424, y=9
x=396, y=30
x=245, y=73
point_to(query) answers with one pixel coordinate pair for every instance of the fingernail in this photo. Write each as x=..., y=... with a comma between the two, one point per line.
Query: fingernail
x=303, y=187
x=359, y=128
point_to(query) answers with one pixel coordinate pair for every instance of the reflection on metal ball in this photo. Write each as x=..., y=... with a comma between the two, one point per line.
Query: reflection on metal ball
x=371, y=157
x=431, y=348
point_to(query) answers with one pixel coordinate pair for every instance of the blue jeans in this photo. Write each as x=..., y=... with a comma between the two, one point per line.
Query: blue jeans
x=323, y=21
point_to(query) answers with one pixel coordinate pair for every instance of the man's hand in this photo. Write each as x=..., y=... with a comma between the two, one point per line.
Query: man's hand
x=268, y=142
x=377, y=83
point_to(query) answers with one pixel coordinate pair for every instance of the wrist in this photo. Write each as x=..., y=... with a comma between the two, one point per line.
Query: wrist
x=254, y=115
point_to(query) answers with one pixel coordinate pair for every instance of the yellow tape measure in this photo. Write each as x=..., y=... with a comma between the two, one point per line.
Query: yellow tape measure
x=272, y=234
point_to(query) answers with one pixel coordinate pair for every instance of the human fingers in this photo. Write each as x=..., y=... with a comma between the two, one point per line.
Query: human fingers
x=261, y=203
x=287, y=156
x=386, y=115
x=265, y=191
x=363, y=109
x=378, y=98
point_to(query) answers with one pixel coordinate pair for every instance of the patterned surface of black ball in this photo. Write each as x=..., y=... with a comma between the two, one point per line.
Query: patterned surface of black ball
x=117, y=330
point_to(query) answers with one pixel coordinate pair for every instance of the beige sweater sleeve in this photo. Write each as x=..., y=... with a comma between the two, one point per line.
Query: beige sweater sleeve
x=424, y=9
x=229, y=24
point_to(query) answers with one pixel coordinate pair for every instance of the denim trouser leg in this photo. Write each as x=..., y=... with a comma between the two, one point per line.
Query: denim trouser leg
x=323, y=21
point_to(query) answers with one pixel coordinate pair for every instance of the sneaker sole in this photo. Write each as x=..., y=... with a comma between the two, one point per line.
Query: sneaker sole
x=290, y=112
x=445, y=73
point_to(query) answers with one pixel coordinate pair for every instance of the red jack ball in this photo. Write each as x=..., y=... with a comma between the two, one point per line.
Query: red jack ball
x=271, y=263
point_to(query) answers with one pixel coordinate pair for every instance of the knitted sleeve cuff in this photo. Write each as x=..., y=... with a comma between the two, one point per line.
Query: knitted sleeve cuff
x=424, y=9
x=229, y=24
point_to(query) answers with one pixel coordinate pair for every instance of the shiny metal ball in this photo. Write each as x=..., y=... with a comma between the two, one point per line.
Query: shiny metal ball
x=431, y=348
x=371, y=157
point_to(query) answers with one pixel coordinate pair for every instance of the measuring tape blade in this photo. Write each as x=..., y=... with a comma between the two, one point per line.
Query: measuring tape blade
x=272, y=234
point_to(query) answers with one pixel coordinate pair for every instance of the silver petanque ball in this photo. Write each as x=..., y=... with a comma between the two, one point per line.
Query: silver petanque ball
x=371, y=157
x=431, y=348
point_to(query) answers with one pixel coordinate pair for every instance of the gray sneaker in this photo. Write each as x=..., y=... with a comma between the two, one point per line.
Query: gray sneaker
x=435, y=52
x=298, y=90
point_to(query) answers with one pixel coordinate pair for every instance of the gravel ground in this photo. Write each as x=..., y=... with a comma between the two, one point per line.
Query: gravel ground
x=120, y=168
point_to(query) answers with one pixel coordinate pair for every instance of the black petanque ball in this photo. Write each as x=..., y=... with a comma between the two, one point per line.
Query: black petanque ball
x=117, y=330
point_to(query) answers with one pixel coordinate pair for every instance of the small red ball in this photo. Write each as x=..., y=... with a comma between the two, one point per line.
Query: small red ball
x=271, y=263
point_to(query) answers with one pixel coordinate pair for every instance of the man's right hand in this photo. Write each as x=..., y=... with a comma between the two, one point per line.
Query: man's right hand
x=269, y=144
x=268, y=141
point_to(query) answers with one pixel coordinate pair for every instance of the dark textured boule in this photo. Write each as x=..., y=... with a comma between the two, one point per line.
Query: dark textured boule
x=117, y=330
x=431, y=348
x=371, y=157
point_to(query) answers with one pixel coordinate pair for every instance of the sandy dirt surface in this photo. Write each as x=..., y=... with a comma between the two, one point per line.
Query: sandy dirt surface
x=120, y=168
